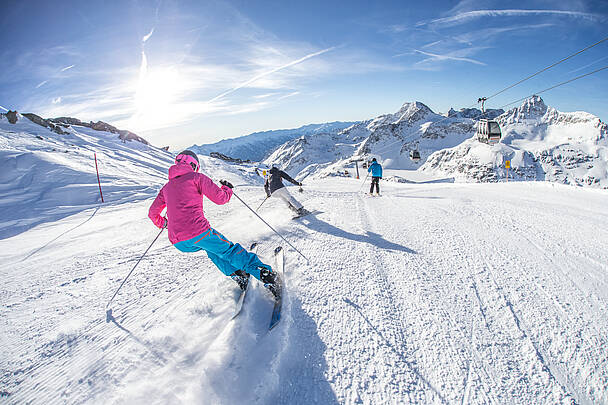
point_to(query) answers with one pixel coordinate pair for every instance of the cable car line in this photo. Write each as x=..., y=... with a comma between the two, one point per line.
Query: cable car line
x=557, y=85
x=547, y=68
x=477, y=117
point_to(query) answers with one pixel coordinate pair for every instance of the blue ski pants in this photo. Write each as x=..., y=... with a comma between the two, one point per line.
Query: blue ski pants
x=227, y=256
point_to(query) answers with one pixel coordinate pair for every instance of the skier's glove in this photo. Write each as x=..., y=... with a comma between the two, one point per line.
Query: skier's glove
x=163, y=223
x=226, y=183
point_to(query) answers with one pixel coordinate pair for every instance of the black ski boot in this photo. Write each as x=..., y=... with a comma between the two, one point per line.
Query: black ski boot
x=272, y=281
x=302, y=211
x=241, y=278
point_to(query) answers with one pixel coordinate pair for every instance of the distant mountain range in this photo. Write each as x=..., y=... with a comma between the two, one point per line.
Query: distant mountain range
x=540, y=143
x=390, y=137
x=259, y=145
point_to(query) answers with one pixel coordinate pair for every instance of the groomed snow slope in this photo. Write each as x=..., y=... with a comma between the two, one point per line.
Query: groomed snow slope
x=45, y=176
x=432, y=293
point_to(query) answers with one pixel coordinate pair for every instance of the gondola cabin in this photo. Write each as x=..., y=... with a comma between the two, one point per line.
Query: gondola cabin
x=415, y=155
x=488, y=131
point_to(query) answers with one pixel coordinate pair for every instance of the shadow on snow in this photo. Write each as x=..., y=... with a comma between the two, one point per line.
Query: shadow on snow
x=314, y=223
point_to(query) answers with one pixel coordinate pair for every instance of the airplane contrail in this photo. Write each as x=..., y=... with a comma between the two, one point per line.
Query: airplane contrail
x=295, y=62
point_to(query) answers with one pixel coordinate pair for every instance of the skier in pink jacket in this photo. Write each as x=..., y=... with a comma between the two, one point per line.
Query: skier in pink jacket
x=189, y=230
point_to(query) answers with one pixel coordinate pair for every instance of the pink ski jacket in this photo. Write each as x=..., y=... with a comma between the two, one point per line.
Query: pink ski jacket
x=183, y=197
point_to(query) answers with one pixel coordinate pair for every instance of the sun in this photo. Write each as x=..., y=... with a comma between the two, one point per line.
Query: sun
x=158, y=90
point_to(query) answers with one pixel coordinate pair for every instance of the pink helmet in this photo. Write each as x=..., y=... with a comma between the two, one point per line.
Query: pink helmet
x=188, y=156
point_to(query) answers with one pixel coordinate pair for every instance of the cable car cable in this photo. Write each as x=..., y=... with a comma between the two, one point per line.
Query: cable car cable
x=521, y=81
x=557, y=85
x=547, y=68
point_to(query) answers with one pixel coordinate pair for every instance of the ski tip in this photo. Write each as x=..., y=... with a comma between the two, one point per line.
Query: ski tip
x=272, y=325
x=278, y=249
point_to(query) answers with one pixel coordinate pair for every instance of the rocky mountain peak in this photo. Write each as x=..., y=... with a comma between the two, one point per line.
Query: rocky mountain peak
x=532, y=108
x=413, y=111
x=475, y=113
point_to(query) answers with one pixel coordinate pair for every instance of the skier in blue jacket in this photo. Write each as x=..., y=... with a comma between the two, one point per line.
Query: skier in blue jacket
x=376, y=169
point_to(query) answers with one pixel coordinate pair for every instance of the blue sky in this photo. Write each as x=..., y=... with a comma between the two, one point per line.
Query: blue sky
x=185, y=72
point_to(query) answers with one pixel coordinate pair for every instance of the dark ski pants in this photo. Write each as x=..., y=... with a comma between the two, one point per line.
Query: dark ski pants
x=227, y=256
x=376, y=182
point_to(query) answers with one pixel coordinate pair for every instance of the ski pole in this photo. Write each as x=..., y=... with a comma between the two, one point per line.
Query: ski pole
x=109, y=311
x=363, y=182
x=262, y=203
x=267, y=224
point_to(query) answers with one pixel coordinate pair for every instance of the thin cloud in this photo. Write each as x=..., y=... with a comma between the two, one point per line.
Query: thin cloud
x=260, y=96
x=147, y=37
x=248, y=82
x=42, y=84
x=67, y=68
x=472, y=15
x=397, y=28
x=437, y=57
x=432, y=44
x=295, y=93
x=491, y=32
x=588, y=65
x=56, y=100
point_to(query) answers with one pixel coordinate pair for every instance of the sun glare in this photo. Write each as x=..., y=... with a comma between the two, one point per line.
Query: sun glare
x=157, y=92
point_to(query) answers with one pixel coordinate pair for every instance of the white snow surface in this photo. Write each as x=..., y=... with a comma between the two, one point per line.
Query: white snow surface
x=435, y=292
x=45, y=176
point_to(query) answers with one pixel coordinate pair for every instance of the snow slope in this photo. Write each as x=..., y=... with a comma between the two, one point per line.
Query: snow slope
x=45, y=176
x=432, y=293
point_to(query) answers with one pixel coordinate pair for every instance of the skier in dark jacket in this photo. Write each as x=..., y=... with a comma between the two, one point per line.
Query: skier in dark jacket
x=274, y=187
x=376, y=169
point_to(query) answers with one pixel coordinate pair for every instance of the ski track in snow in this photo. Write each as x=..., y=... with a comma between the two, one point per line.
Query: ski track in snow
x=432, y=293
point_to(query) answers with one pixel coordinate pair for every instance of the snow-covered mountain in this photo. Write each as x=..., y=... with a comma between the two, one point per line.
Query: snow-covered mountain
x=390, y=137
x=47, y=171
x=540, y=142
x=475, y=113
x=259, y=145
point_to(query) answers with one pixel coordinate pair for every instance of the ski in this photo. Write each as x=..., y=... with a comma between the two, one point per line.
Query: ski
x=239, y=304
x=279, y=256
x=306, y=213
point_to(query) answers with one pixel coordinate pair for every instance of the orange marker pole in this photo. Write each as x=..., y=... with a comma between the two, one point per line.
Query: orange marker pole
x=98, y=182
